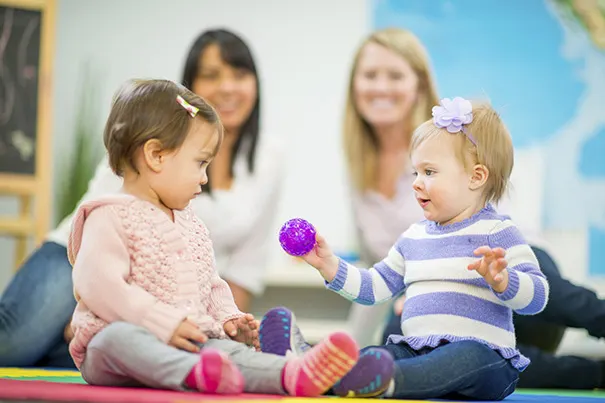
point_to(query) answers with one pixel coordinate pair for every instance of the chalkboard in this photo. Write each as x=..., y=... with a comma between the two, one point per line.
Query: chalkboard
x=27, y=37
x=19, y=62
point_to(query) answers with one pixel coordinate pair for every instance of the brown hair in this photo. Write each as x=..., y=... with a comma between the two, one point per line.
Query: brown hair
x=360, y=146
x=143, y=110
x=494, y=147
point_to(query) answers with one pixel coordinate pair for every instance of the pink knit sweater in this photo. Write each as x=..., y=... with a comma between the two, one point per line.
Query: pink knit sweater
x=133, y=264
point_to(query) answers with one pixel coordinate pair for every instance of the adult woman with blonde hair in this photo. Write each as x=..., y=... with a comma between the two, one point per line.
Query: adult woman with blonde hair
x=391, y=92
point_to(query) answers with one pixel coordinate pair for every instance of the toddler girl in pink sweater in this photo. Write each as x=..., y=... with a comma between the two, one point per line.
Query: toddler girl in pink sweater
x=152, y=309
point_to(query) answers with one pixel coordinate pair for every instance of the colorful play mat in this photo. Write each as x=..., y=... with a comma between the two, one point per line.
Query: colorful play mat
x=46, y=385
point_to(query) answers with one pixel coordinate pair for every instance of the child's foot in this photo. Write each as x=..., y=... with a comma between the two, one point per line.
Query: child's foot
x=215, y=373
x=370, y=377
x=279, y=333
x=321, y=367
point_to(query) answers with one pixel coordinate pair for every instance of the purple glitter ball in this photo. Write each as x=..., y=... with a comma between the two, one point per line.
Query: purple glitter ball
x=297, y=237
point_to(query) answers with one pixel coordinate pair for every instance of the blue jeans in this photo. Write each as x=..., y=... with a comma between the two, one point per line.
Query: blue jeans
x=34, y=310
x=464, y=370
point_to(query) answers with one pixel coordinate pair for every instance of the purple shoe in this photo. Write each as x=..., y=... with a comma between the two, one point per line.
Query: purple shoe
x=279, y=333
x=370, y=377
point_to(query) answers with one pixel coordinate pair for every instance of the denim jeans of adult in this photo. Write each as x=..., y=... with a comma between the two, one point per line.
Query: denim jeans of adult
x=464, y=370
x=34, y=310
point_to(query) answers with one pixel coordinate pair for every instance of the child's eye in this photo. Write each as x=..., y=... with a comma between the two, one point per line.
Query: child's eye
x=414, y=173
x=428, y=172
x=203, y=163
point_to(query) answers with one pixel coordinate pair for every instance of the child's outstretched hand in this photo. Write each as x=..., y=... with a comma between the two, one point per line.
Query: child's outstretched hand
x=492, y=266
x=322, y=258
x=244, y=330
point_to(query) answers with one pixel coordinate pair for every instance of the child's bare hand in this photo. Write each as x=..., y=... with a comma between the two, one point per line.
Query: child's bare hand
x=185, y=335
x=492, y=267
x=322, y=258
x=244, y=330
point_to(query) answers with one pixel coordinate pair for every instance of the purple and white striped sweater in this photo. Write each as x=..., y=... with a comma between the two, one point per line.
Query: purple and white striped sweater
x=445, y=300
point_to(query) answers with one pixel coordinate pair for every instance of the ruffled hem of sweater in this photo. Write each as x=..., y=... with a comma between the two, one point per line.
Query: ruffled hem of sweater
x=517, y=360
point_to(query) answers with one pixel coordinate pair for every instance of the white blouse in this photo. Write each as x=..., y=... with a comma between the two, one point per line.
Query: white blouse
x=240, y=220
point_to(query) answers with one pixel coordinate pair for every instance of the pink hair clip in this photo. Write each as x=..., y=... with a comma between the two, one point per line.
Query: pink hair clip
x=188, y=107
x=453, y=114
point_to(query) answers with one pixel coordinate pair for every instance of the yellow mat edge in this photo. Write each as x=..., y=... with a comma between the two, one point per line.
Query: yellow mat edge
x=35, y=372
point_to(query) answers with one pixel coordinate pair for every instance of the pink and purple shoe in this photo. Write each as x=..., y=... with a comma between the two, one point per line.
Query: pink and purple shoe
x=370, y=377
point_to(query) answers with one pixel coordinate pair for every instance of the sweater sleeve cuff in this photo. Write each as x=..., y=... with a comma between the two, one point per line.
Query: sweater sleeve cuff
x=341, y=277
x=511, y=289
x=162, y=320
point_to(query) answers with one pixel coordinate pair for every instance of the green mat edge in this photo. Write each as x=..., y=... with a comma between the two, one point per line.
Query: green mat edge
x=55, y=379
x=562, y=392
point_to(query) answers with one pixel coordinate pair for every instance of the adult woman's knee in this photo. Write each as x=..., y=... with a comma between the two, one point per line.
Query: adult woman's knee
x=546, y=262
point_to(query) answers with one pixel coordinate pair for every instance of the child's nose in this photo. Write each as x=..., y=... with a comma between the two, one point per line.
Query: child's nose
x=418, y=184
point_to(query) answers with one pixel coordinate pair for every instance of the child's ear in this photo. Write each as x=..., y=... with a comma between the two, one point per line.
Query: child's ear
x=153, y=154
x=479, y=177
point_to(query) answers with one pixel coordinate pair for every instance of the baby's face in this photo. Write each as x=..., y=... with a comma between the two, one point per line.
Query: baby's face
x=442, y=182
x=184, y=170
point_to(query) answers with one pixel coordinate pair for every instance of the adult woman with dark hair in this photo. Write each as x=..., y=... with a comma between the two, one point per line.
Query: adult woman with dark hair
x=237, y=206
x=245, y=176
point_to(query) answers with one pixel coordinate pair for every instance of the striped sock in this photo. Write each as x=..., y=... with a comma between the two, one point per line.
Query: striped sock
x=321, y=367
x=215, y=373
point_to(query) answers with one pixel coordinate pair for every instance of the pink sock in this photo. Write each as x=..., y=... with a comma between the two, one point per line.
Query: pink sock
x=321, y=367
x=215, y=373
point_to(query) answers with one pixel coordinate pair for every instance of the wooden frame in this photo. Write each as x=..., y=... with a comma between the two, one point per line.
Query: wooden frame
x=34, y=190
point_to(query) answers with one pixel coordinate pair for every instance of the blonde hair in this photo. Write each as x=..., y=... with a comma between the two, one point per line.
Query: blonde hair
x=360, y=146
x=493, y=149
x=143, y=110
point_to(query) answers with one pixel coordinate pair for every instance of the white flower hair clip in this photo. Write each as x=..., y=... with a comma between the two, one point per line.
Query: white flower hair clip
x=453, y=114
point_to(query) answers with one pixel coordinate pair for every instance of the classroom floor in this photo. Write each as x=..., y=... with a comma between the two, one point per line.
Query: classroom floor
x=36, y=385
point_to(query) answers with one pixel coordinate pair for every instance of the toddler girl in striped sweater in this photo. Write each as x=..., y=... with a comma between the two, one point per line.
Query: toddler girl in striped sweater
x=464, y=270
